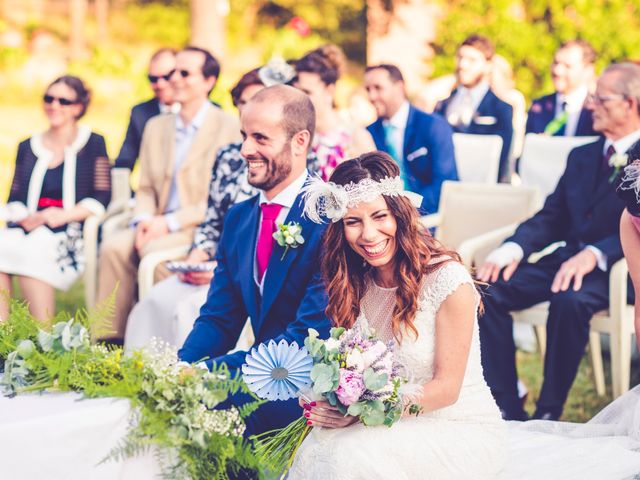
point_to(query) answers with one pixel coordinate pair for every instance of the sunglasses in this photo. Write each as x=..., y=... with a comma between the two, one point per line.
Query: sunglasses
x=49, y=99
x=156, y=78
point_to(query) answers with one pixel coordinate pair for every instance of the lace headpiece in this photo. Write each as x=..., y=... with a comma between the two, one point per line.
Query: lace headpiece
x=326, y=199
x=276, y=72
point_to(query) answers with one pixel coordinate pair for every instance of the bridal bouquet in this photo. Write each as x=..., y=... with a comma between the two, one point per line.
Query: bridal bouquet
x=354, y=372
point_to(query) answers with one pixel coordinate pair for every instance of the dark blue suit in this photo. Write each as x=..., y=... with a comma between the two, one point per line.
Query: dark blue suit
x=428, y=154
x=140, y=115
x=492, y=117
x=294, y=300
x=583, y=210
x=543, y=110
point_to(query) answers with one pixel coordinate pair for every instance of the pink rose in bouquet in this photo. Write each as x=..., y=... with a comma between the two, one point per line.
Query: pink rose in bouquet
x=350, y=387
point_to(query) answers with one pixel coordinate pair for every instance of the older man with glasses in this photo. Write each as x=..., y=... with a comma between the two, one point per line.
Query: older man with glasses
x=161, y=67
x=176, y=157
x=584, y=213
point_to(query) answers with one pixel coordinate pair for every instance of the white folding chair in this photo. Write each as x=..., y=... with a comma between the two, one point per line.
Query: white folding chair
x=477, y=157
x=119, y=204
x=470, y=209
x=544, y=159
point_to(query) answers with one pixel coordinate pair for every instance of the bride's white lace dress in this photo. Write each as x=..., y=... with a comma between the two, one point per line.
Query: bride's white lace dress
x=463, y=441
x=467, y=440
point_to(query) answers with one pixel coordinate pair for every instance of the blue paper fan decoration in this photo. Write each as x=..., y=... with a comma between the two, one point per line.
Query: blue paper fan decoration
x=276, y=371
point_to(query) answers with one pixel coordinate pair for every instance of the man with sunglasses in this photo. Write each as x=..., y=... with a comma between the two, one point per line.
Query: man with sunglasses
x=584, y=213
x=161, y=67
x=176, y=158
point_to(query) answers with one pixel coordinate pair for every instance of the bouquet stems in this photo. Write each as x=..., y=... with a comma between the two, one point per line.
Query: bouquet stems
x=277, y=448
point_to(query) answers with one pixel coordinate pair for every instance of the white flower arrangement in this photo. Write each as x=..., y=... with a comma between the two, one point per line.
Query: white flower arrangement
x=617, y=161
x=288, y=236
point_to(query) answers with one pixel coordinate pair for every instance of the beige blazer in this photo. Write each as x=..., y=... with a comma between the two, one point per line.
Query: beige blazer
x=157, y=163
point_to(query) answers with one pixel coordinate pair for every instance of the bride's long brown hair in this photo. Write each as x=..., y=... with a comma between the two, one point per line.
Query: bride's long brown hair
x=344, y=271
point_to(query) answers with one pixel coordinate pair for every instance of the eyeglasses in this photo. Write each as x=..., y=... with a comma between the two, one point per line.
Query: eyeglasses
x=156, y=78
x=600, y=99
x=65, y=102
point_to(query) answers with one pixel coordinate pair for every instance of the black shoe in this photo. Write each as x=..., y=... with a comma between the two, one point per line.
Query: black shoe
x=521, y=416
x=545, y=415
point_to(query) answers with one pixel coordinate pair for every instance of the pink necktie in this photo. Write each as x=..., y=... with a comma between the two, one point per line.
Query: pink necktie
x=264, y=248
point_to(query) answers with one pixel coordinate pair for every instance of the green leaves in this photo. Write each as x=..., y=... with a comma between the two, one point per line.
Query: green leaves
x=374, y=381
x=325, y=377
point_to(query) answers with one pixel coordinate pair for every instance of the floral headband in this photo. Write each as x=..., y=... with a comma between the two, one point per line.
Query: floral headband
x=326, y=199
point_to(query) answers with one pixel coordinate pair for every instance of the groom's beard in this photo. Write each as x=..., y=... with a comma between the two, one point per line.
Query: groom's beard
x=277, y=170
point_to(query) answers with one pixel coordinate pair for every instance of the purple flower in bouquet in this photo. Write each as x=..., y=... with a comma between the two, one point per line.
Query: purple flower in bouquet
x=350, y=387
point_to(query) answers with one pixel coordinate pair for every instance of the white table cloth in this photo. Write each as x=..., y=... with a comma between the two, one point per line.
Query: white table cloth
x=63, y=436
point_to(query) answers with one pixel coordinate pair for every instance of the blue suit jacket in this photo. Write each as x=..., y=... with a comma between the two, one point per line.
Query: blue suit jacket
x=428, y=154
x=294, y=297
x=543, y=110
x=493, y=117
x=583, y=210
x=140, y=115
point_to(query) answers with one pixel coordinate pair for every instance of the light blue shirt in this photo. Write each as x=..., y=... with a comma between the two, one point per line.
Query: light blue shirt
x=185, y=134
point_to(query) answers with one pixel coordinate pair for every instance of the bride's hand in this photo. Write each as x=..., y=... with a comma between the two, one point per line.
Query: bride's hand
x=323, y=414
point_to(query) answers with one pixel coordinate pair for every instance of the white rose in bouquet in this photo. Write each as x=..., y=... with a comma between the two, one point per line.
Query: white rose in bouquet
x=355, y=360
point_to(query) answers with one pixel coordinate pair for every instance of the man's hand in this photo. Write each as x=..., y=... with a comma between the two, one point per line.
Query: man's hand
x=32, y=222
x=55, y=217
x=196, y=256
x=506, y=256
x=151, y=229
x=574, y=269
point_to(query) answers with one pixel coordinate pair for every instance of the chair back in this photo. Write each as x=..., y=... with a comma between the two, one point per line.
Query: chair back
x=120, y=188
x=544, y=159
x=471, y=209
x=477, y=157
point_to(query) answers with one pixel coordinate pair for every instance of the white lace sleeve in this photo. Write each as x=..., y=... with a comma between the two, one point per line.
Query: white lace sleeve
x=443, y=282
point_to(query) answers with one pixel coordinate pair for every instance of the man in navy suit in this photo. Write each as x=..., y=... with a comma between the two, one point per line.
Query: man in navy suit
x=161, y=66
x=281, y=292
x=473, y=107
x=564, y=112
x=421, y=143
x=584, y=211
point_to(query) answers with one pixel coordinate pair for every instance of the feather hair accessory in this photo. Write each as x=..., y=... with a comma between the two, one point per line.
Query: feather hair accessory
x=329, y=200
x=631, y=179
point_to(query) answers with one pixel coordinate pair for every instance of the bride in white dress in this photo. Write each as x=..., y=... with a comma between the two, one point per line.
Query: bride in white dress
x=386, y=275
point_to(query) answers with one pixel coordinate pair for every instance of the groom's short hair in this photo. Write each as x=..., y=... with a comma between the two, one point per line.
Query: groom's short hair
x=298, y=113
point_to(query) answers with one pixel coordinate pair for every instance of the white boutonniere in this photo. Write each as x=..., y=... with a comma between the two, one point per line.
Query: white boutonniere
x=617, y=161
x=289, y=236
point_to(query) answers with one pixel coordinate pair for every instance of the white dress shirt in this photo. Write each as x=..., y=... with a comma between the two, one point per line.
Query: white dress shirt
x=399, y=122
x=286, y=198
x=574, y=105
x=465, y=103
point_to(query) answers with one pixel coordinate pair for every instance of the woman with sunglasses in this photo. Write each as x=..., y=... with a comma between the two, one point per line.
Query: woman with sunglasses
x=62, y=176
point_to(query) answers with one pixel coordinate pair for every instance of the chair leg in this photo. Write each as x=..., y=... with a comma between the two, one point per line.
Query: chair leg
x=541, y=333
x=620, y=363
x=595, y=354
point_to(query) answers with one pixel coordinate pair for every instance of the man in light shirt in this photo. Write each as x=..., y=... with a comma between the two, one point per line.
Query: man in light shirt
x=564, y=113
x=419, y=142
x=584, y=212
x=176, y=157
x=473, y=107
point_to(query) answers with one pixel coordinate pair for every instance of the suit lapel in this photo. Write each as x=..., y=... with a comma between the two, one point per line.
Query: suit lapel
x=168, y=152
x=409, y=134
x=202, y=140
x=596, y=176
x=278, y=265
x=246, y=238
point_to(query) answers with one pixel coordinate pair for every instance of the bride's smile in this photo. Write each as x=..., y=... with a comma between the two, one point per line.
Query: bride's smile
x=370, y=230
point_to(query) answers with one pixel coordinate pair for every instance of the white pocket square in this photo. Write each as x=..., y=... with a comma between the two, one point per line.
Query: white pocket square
x=485, y=120
x=417, y=153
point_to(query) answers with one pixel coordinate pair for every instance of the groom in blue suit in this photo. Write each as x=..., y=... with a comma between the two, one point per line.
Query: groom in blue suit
x=281, y=292
x=420, y=143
